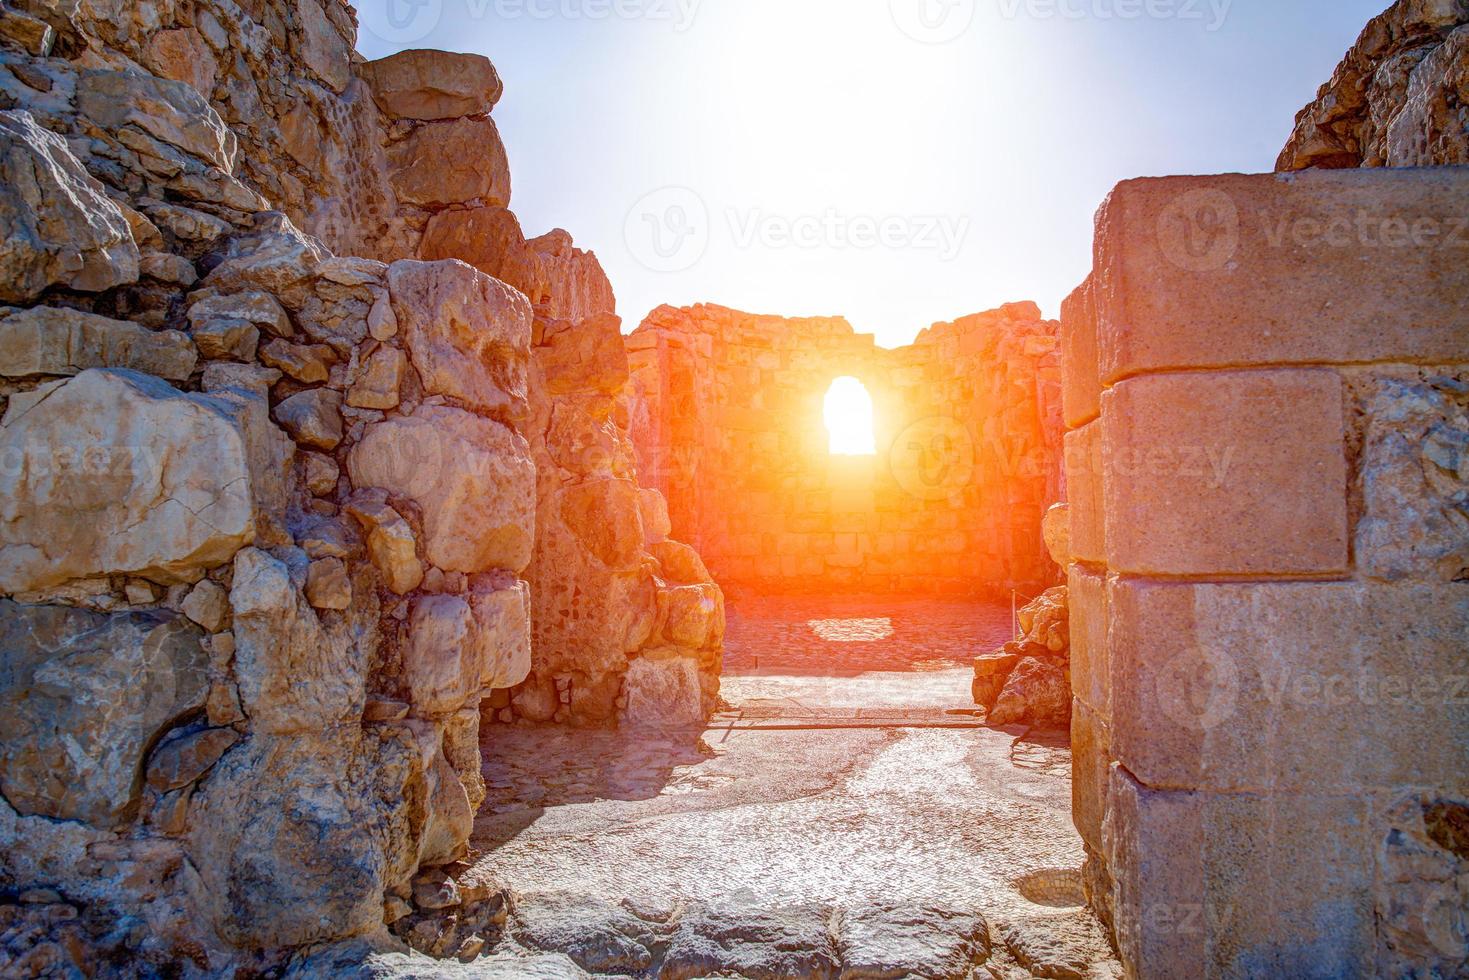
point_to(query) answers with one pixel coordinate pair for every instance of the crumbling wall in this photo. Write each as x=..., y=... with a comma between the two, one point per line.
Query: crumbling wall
x=727, y=417
x=264, y=512
x=1398, y=97
x=1268, y=468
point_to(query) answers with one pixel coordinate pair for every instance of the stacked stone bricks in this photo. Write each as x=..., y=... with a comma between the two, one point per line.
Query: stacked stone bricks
x=728, y=422
x=1268, y=468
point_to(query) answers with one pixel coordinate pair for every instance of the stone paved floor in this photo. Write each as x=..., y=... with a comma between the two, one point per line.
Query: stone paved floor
x=811, y=851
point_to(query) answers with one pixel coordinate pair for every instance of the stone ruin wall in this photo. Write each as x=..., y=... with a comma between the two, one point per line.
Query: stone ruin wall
x=294, y=491
x=1268, y=464
x=728, y=423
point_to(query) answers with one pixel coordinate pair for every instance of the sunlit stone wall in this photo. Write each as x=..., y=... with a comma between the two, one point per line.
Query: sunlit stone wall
x=728, y=420
x=1267, y=385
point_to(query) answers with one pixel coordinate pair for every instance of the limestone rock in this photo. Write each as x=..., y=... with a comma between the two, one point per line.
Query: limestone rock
x=49, y=340
x=327, y=584
x=390, y=544
x=292, y=837
x=420, y=84
x=208, y=605
x=380, y=381
x=662, y=693
x=1056, y=529
x=295, y=674
x=692, y=616
x=588, y=356
x=171, y=112
x=168, y=485
x=253, y=306
x=82, y=698
x=601, y=936
x=454, y=162
x=61, y=229
x=458, y=647
x=324, y=49
x=754, y=941
x=307, y=363
x=680, y=563
x=312, y=418
x=990, y=673
x=275, y=257
x=467, y=334
x=181, y=759
x=182, y=55
x=321, y=475
x=654, y=510
x=227, y=339
x=1038, y=693
x=1396, y=100
x=882, y=942
x=472, y=478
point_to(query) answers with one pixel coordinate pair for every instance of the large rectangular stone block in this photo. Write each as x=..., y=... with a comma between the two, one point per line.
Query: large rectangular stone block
x=1230, y=886
x=1084, y=479
x=1226, y=473
x=1081, y=385
x=1091, y=674
x=1332, y=266
x=1291, y=687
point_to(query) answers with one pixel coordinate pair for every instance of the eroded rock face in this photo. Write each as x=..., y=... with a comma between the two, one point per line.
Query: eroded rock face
x=1397, y=98
x=118, y=472
x=451, y=163
x=61, y=229
x=50, y=341
x=418, y=84
x=471, y=477
x=1029, y=680
x=83, y=695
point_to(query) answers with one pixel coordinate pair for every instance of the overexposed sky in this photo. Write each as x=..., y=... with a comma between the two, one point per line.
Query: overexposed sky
x=897, y=162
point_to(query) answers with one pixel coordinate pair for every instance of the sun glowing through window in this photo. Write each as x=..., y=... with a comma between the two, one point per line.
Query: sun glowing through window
x=848, y=415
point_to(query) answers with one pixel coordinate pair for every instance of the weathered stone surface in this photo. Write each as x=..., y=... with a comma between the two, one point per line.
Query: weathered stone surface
x=182, y=759
x=380, y=381
x=82, y=697
x=1216, y=687
x=165, y=110
x=1394, y=101
x=692, y=616
x=324, y=49
x=893, y=942
x=61, y=229
x=222, y=339
x=600, y=936
x=419, y=84
x=472, y=478
x=1091, y=673
x=182, y=55
x=1085, y=477
x=48, y=340
x=390, y=544
x=208, y=605
x=991, y=671
x=327, y=584
x=293, y=837
x=1236, y=271
x=680, y=563
x=1198, y=482
x=662, y=693
x=1414, y=474
x=312, y=418
x=458, y=647
x=307, y=363
x=468, y=335
x=1081, y=383
x=167, y=488
x=588, y=356
x=1056, y=529
x=259, y=308
x=295, y=674
x=1425, y=887
x=754, y=941
x=454, y=162
x=1037, y=692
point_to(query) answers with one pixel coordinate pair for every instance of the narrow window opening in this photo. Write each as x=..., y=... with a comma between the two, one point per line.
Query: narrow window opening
x=848, y=414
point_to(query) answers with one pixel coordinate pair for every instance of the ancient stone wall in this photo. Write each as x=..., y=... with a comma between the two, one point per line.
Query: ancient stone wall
x=265, y=510
x=728, y=422
x=1398, y=99
x=1268, y=468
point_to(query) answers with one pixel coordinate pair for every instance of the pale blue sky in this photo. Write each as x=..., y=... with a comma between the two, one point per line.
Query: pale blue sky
x=897, y=162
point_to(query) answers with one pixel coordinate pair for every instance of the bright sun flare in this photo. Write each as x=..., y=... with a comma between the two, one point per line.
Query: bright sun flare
x=848, y=414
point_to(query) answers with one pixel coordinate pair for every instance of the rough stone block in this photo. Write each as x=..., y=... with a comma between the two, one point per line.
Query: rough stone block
x=1081, y=385
x=1240, y=886
x=1091, y=675
x=1091, y=760
x=53, y=341
x=1084, y=483
x=1290, y=687
x=1238, y=472
x=1328, y=266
